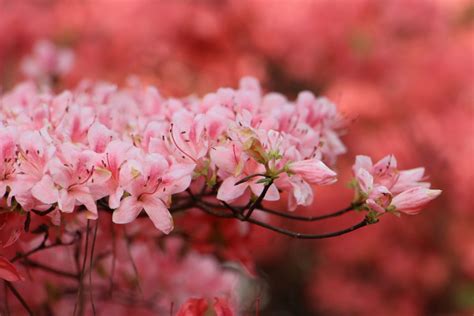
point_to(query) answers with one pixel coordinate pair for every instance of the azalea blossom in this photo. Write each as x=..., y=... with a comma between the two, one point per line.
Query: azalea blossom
x=382, y=187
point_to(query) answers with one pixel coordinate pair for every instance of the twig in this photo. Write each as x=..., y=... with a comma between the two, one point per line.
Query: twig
x=306, y=218
x=81, y=276
x=19, y=297
x=46, y=212
x=299, y=235
x=259, y=200
x=35, y=264
x=90, y=265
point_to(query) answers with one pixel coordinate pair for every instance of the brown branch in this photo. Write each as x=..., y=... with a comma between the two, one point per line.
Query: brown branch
x=259, y=199
x=307, y=218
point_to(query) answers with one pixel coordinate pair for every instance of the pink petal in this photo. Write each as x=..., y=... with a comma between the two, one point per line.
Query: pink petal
x=271, y=195
x=45, y=191
x=362, y=162
x=66, y=201
x=365, y=180
x=159, y=214
x=8, y=271
x=228, y=191
x=314, y=171
x=302, y=193
x=114, y=198
x=99, y=136
x=83, y=196
x=128, y=211
x=224, y=158
x=3, y=188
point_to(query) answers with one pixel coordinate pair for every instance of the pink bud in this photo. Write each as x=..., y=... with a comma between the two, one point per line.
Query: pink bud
x=413, y=200
x=314, y=171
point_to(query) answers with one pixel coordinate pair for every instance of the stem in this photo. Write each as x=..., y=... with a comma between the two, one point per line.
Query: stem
x=208, y=210
x=19, y=297
x=247, y=178
x=259, y=200
x=90, y=265
x=132, y=261
x=7, y=307
x=35, y=264
x=114, y=254
x=81, y=276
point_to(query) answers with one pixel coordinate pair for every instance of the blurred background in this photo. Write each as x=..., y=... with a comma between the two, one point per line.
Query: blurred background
x=401, y=71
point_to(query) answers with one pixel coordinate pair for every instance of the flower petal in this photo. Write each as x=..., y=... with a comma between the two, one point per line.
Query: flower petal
x=128, y=211
x=159, y=214
x=8, y=271
x=45, y=191
x=228, y=191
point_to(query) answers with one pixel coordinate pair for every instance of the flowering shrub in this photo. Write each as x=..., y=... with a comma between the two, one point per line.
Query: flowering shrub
x=99, y=151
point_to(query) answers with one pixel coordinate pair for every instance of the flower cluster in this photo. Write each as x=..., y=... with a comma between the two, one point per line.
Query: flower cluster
x=47, y=62
x=383, y=188
x=132, y=150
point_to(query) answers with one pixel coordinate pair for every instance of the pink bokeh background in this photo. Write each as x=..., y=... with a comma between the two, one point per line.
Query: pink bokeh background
x=402, y=72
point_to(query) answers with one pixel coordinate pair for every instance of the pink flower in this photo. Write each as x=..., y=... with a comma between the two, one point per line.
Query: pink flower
x=33, y=156
x=150, y=183
x=68, y=180
x=413, y=200
x=99, y=136
x=47, y=60
x=7, y=158
x=383, y=187
x=234, y=165
x=107, y=172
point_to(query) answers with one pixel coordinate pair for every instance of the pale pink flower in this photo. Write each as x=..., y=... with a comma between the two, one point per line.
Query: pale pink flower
x=107, y=172
x=383, y=187
x=33, y=156
x=234, y=165
x=68, y=182
x=99, y=136
x=150, y=183
x=8, y=159
x=47, y=60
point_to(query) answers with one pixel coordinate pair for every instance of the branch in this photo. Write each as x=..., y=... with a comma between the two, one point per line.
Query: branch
x=46, y=212
x=259, y=200
x=307, y=218
x=299, y=235
x=284, y=231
